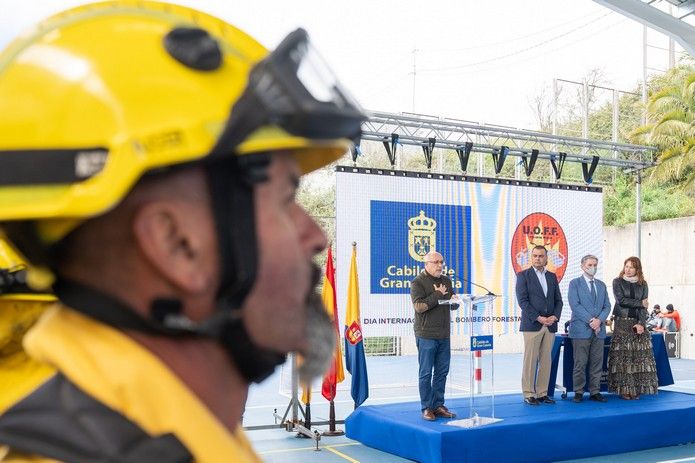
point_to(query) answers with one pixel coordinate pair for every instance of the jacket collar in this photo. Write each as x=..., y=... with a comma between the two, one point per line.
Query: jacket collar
x=114, y=369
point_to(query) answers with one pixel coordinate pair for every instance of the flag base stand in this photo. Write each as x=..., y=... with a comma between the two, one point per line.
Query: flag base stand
x=474, y=422
x=294, y=424
x=331, y=423
x=291, y=421
x=303, y=434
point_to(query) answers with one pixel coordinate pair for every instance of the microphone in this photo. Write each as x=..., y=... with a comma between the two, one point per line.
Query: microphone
x=489, y=293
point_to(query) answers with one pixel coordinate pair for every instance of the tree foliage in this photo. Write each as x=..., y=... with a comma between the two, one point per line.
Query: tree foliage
x=667, y=188
x=659, y=201
x=671, y=127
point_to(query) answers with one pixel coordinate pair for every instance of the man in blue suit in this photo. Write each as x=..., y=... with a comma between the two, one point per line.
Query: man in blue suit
x=538, y=295
x=590, y=306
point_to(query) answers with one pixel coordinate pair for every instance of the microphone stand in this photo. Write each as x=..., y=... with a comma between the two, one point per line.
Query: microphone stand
x=489, y=293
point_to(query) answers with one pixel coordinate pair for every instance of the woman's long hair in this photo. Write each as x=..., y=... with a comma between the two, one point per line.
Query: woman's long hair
x=638, y=267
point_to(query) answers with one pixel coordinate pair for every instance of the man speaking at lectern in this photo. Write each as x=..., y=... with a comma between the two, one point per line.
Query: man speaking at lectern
x=538, y=295
x=432, y=331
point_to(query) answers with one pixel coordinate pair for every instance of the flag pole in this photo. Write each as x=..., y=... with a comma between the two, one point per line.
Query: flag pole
x=307, y=422
x=305, y=432
x=354, y=249
x=332, y=431
x=335, y=373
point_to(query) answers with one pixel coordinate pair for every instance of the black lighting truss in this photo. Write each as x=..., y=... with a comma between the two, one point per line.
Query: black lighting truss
x=500, y=142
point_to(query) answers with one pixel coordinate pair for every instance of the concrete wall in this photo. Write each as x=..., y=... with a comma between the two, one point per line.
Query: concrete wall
x=668, y=259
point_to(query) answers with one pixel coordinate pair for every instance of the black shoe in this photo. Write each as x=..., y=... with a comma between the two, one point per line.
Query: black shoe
x=578, y=397
x=531, y=401
x=546, y=400
x=598, y=397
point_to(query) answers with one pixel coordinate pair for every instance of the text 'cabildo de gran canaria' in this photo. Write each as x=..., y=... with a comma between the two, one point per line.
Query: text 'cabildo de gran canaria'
x=400, y=277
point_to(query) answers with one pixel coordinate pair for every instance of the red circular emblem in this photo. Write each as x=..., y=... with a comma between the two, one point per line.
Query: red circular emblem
x=539, y=228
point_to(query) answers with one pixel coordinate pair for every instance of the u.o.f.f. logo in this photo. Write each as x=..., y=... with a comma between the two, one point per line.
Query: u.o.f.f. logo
x=422, y=237
x=353, y=333
x=539, y=229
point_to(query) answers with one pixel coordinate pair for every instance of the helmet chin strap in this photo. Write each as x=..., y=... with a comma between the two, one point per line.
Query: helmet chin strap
x=224, y=326
x=231, y=187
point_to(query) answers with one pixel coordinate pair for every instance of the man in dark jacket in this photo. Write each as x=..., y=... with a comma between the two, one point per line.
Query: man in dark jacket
x=432, y=330
x=538, y=295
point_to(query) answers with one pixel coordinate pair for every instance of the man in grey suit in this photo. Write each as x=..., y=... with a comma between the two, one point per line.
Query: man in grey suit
x=590, y=306
x=538, y=295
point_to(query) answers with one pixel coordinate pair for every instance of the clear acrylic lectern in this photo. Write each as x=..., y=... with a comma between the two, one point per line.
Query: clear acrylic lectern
x=478, y=318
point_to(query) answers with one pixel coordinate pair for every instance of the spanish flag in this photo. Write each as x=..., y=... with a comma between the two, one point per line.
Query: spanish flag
x=335, y=374
x=354, y=345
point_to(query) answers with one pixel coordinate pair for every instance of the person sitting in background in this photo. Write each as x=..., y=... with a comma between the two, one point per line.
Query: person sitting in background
x=670, y=320
x=654, y=320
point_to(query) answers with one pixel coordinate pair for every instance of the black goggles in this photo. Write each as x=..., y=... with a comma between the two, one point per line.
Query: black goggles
x=293, y=88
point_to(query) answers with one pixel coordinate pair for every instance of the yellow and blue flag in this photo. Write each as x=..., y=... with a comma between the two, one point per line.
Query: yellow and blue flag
x=354, y=344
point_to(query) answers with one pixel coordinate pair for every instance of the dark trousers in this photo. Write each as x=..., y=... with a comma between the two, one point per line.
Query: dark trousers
x=587, y=351
x=433, y=357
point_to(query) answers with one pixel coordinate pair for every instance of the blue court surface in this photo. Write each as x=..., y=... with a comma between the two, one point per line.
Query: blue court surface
x=573, y=431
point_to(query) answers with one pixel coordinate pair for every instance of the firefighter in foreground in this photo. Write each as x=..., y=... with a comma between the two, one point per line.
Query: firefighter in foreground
x=149, y=160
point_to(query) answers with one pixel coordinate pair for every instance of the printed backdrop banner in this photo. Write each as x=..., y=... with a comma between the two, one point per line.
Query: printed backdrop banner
x=484, y=230
x=418, y=228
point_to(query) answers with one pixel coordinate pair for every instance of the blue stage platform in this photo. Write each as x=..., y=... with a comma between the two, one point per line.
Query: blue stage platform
x=528, y=433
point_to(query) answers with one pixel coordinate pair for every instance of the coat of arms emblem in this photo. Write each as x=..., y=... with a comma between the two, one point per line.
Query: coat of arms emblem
x=422, y=236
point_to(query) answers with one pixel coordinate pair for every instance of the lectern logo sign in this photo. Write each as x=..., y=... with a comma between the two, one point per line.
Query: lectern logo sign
x=539, y=229
x=481, y=343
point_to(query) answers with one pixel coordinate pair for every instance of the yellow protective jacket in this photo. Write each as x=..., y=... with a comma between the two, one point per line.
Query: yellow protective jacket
x=112, y=371
x=19, y=310
x=19, y=374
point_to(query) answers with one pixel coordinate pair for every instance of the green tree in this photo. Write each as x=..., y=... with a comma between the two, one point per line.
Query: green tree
x=671, y=127
x=659, y=201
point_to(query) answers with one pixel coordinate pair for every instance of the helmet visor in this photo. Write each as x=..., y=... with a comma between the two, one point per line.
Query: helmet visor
x=295, y=89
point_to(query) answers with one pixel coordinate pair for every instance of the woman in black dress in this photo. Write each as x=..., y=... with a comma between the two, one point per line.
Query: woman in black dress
x=631, y=366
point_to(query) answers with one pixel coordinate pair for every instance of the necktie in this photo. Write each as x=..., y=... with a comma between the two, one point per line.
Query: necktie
x=593, y=289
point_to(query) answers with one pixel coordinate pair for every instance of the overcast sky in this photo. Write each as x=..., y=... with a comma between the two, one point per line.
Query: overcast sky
x=478, y=60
